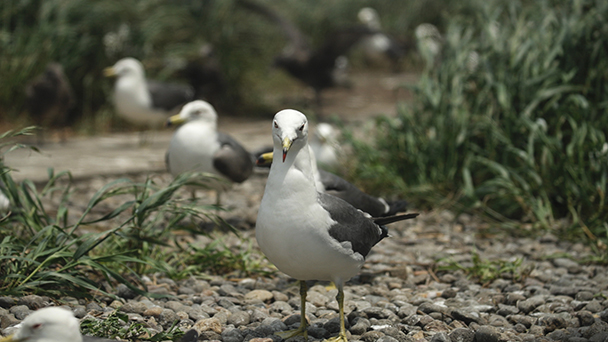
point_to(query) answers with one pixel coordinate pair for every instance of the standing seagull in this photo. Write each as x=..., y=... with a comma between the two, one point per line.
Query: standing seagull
x=141, y=102
x=307, y=234
x=197, y=146
x=380, y=45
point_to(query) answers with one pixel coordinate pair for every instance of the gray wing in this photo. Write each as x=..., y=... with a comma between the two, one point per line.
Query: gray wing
x=232, y=159
x=352, y=225
x=339, y=187
x=169, y=96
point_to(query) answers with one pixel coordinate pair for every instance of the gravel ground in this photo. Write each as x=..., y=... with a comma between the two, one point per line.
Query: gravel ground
x=400, y=295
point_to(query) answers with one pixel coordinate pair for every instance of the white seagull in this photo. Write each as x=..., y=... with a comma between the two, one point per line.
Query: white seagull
x=142, y=102
x=311, y=235
x=197, y=146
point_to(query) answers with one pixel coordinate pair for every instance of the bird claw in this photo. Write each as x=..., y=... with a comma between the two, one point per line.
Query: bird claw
x=340, y=338
x=293, y=333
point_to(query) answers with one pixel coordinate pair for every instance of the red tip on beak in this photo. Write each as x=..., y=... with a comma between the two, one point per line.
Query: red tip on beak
x=284, y=155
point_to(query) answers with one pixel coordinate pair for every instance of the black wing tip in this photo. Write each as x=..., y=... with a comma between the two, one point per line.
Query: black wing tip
x=395, y=218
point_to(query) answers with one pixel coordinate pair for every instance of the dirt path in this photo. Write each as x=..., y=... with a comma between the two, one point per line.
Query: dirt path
x=371, y=94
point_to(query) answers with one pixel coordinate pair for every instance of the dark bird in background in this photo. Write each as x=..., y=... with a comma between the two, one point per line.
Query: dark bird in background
x=204, y=74
x=49, y=98
x=317, y=68
x=380, y=45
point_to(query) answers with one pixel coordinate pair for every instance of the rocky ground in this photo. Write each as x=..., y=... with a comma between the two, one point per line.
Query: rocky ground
x=417, y=285
x=439, y=277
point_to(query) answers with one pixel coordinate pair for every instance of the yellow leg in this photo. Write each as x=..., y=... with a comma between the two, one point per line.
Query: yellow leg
x=302, y=330
x=342, y=335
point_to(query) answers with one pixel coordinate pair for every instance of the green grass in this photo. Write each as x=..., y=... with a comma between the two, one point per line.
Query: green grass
x=519, y=136
x=486, y=271
x=116, y=325
x=52, y=250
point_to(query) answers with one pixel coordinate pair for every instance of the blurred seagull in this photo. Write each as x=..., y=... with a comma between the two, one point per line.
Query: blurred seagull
x=57, y=324
x=49, y=98
x=141, y=102
x=197, y=146
x=50, y=324
x=317, y=68
x=325, y=146
x=380, y=45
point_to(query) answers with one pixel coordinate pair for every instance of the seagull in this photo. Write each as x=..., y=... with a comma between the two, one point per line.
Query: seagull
x=318, y=68
x=49, y=97
x=380, y=45
x=311, y=235
x=197, y=146
x=51, y=324
x=141, y=102
x=324, y=143
x=56, y=324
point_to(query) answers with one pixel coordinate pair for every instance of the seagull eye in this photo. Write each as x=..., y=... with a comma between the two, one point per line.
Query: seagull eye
x=276, y=125
x=301, y=128
x=36, y=326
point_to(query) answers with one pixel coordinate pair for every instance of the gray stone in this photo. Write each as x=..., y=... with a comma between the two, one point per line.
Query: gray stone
x=441, y=337
x=239, y=318
x=467, y=316
x=167, y=317
x=462, y=335
x=486, y=333
x=20, y=311
x=531, y=303
x=6, y=302
x=125, y=292
x=232, y=335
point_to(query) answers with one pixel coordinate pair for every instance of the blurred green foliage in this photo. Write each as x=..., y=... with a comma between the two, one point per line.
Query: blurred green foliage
x=510, y=119
x=86, y=36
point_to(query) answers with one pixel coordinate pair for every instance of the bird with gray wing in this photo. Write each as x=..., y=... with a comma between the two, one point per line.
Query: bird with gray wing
x=311, y=235
x=142, y=102
x=197, y=146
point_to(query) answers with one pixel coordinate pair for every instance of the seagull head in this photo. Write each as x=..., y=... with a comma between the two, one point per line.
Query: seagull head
x=126, y=67
x=369, y=17
x=290, y=130
x=52, y=324
x=198, y=110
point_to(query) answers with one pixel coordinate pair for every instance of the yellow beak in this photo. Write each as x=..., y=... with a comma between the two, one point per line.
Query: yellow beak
x=286, y=146
x=174, y=120
x=10, y=338
x=109, y=72
x=264, y=159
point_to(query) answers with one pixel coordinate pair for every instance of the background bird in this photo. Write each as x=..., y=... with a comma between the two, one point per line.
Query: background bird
x=141, y=102
x=380, y=45
x=49, y=97
x=307, y=234
x=197, y=146
x=318, y=67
